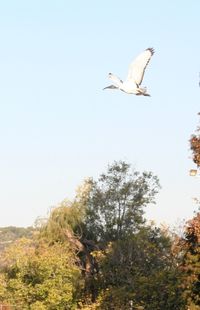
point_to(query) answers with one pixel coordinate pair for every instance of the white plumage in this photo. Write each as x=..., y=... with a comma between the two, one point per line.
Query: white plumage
x=135, y=75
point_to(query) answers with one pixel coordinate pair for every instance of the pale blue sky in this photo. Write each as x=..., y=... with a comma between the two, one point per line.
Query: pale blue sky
x=57, y=126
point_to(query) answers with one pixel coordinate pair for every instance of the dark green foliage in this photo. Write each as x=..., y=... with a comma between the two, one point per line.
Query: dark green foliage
x=142, y=270
x=116, y=202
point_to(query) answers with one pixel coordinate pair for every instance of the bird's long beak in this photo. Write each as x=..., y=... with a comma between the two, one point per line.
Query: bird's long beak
x=110, y=87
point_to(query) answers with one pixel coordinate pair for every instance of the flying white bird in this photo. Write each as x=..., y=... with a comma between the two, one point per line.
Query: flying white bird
x=135, y=75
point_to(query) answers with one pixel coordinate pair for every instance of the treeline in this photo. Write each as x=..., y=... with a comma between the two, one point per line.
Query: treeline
x=11, y=233
x=98, y=252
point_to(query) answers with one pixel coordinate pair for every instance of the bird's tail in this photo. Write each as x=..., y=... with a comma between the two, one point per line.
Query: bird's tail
x=143, y=91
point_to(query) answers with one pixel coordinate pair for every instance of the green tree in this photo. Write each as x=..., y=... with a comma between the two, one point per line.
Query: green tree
x=116, y=202
x=123, y=260
x=108, y=209
x=105, y=210
x=67, y=217
x=140, y=270
x=38, y=276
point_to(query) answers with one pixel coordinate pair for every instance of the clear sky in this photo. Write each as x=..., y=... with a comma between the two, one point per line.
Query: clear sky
x=57, y=126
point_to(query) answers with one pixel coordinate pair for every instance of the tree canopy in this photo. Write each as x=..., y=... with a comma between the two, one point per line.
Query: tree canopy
x=36, y=276
x=97, y=251
x=116, y=202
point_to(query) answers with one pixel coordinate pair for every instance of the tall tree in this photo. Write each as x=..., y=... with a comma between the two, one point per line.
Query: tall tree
x=116, y=202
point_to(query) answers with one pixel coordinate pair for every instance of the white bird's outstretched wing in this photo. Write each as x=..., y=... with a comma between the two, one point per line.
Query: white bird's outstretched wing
x=115, y=79
x=138, y=66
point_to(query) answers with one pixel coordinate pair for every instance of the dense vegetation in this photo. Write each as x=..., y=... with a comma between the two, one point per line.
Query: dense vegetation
x=98, y=252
